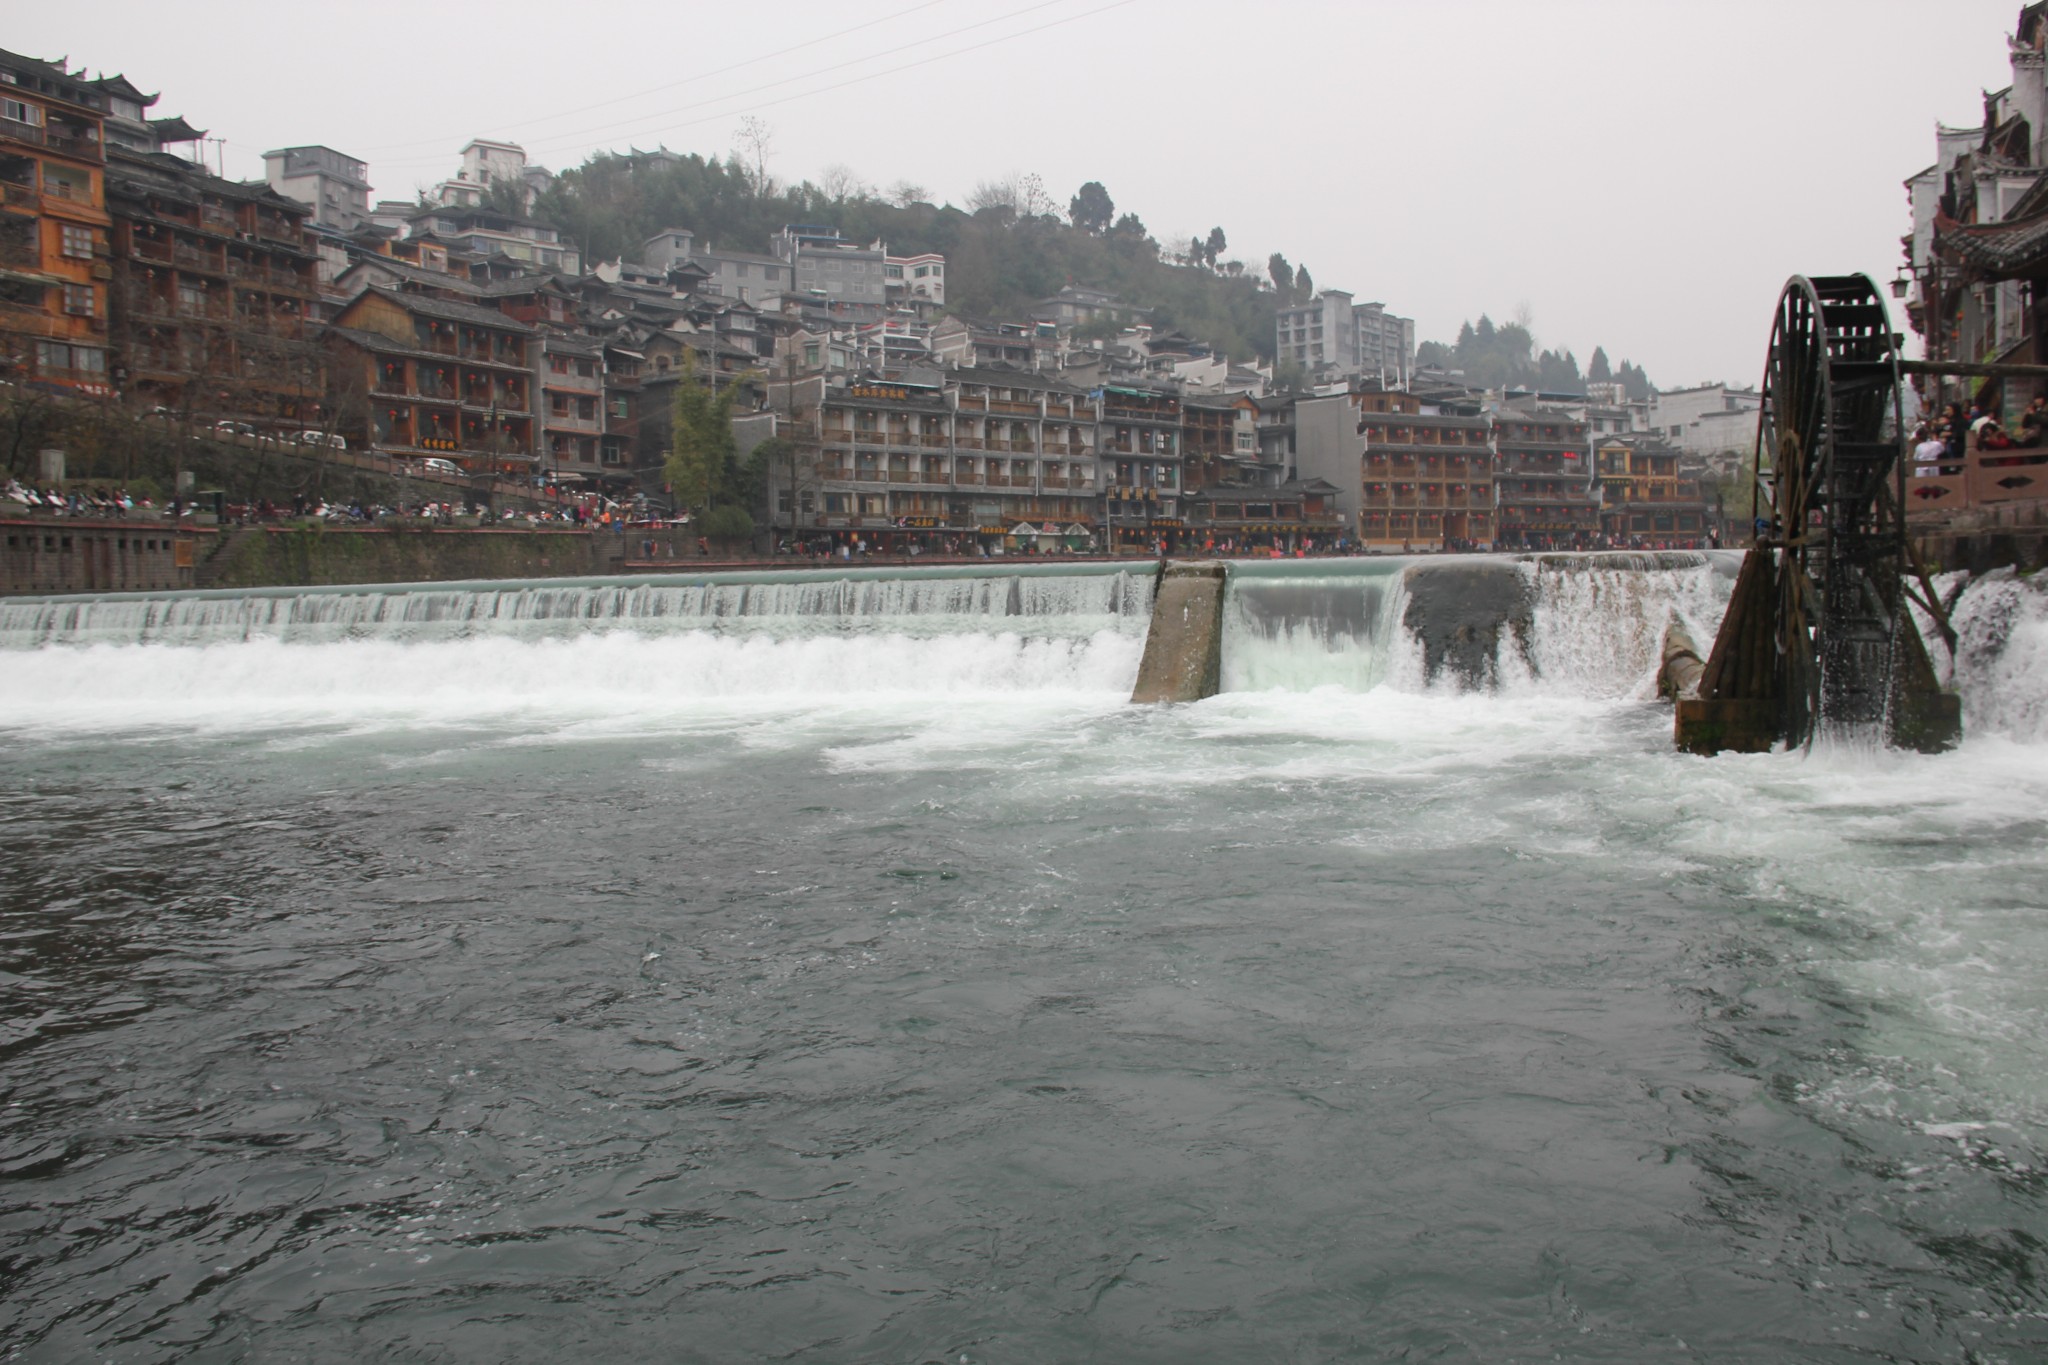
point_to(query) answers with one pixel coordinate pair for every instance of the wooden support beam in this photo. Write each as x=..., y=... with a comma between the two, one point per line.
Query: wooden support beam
x=1967, y=370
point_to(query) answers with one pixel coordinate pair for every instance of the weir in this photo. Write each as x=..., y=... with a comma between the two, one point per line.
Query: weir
x=1577, y=627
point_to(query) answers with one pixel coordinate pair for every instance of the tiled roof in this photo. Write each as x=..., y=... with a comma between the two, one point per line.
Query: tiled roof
x=448, y=310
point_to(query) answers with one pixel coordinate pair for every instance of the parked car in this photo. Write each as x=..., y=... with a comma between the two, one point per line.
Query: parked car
x=332, y=440
x=240, y=431
x=435, y=465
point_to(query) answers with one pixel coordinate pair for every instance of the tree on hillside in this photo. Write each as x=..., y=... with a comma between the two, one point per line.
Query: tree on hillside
x=839, y=183
x=1091, y=208
x=997, y=263
x=1634, y=382
x=1597, y=371
x=1558, y=372
x=752, y=144
x=1304, y=287
x=1281, y=274
x=904, y=193
x=1214, y=247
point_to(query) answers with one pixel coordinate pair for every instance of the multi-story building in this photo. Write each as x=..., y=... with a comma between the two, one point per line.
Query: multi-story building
x=128, y=125
x=53, y=227
x=1284, y=517
x=1021, y=346
x=967, y=454
x=1220, y=443
x=419, y=376
x=828, y=267
x=1318, y=335
x=335, y=184
x=1139, y=440
x=1708, y=419
x=1332, y=335
x=1543, y=480
x=1386, y=344
x=569, y=376
x=213, y=294
x=1646, y=498
x=1076, y=306
x=485, y=231
x=744, y=275
x=918, y=279
x=1409, y=475
x=488, y=166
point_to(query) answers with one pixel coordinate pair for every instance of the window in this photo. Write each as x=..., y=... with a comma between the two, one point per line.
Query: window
x=619, y=406
x=65, y=183
x=77, y=242
x=586, y=409
x=78, y=300
x=21, y=111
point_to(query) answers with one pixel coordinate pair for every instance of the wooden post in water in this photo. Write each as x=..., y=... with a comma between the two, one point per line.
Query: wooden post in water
x=1738, y=706
x=1184, y=647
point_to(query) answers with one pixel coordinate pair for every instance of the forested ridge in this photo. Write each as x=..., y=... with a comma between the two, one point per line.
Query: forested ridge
x=1010, y=247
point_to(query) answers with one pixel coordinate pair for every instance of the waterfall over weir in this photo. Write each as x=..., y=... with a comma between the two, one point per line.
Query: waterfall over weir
x=1063, y=600
x=1577, y=626
x=1582, y=625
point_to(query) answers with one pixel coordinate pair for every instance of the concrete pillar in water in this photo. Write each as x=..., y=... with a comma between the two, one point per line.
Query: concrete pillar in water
x=1184, y=648
x=1679, y=673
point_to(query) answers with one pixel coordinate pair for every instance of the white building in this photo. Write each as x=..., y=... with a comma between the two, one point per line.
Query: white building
x=1331, y=335
x=334, y=183
x=1708, y=419
x=919, y=278
x=485, y=164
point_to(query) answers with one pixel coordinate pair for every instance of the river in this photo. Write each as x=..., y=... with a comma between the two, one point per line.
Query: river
x=841, y=970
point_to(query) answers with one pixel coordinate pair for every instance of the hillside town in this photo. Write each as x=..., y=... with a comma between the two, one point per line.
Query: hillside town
x=464, y=339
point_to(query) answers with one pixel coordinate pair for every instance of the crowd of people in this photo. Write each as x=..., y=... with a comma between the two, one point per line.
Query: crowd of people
x=1941, y=444
x=75, y=502
x=588, y=512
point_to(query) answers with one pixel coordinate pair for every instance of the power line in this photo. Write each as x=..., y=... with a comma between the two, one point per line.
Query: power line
x=622, y=130
x=563, y=141
x=700, y=76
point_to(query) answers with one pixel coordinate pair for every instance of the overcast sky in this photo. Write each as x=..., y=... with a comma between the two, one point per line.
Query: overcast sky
x=1638, y=174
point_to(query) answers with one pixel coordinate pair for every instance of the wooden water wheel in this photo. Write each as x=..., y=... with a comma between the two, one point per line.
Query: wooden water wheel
x=1817, y=636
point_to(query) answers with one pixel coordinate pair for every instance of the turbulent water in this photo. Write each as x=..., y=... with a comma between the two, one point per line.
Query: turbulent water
x=841, y=970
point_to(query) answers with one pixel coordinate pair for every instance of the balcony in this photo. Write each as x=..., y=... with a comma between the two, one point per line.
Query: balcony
x=72, y=144
x=1020, y=409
